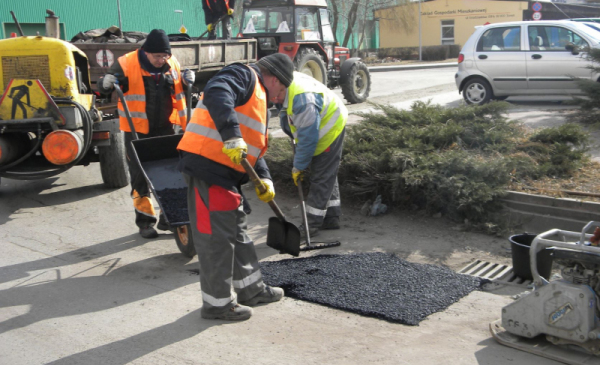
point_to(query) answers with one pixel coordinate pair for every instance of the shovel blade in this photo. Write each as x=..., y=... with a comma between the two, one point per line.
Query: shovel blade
x=283, y=236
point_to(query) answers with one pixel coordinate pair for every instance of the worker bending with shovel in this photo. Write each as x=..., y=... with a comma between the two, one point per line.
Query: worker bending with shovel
x=229, y=124
x=316, y=118
x=152, y=85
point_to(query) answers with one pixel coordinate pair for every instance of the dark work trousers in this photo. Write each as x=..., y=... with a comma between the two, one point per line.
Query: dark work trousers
x=229, y=268
x=323, y=198
x=140, y=192
x=225, y=26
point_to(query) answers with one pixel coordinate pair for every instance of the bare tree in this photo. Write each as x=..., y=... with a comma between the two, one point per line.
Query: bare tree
x=363, y=9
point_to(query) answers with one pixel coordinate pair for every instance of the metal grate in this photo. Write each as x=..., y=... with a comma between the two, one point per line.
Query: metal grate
x=26, y=67
x=497, y=273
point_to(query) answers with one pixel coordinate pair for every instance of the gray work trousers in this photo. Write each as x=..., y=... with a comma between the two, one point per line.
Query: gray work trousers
x=229, y=269
x=323, y=198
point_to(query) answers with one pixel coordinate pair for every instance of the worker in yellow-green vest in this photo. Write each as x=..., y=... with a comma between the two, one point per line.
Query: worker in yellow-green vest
x=316, y=119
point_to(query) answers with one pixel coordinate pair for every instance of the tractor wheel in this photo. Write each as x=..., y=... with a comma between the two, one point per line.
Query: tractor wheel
x=113, y=163
x=183, y=238
x=357, y=85
x=309, y=62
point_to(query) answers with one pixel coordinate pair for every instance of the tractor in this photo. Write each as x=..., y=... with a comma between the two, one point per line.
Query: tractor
x=301, y=29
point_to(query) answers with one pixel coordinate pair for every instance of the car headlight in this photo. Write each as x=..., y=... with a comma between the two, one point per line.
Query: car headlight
x=267, y=44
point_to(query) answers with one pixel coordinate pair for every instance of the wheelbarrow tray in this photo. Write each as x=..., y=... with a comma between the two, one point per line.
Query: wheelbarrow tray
x=158, y=158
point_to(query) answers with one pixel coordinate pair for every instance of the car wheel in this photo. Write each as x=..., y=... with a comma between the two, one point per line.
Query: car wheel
x=477, y=92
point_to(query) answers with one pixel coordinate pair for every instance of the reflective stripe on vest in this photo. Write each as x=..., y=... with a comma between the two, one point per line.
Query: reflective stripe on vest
x=136, y=95
x=333, y=115
x=202, y=138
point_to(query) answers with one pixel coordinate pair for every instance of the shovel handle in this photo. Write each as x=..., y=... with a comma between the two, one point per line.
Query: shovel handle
x=259, y=185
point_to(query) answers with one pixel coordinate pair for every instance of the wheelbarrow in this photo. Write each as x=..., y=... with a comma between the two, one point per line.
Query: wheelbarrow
x=158, y=158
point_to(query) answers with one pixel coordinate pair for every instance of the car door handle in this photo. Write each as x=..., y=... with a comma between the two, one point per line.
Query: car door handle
x=482, y=57
x=536, y=56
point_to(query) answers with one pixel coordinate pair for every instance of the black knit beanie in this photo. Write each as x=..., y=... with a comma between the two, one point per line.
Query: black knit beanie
x=280, y=66
x=157, y=42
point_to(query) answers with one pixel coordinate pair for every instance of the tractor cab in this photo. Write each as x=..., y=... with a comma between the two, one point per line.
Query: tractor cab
x=292, y=27
x=302, y=30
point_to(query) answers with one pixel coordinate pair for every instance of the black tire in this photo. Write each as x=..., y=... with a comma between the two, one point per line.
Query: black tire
x=113, y=163
x=309, y=62
x=477, y=91
x=183, y=238
x=357, y=86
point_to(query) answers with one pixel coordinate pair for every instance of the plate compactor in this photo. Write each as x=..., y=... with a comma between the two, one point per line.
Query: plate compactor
x=558, y=319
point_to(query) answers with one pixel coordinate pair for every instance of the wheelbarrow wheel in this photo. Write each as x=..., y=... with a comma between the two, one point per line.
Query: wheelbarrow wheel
x=183, y=238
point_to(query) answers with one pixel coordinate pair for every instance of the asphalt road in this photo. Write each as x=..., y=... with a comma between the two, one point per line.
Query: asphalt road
x=78, y=285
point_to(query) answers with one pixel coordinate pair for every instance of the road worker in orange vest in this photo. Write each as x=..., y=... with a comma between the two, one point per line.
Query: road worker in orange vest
x=153, y=86
x=215, y=10
x=229, y=122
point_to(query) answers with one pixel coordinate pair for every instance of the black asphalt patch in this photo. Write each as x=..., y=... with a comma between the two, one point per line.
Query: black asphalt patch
x=372, y=284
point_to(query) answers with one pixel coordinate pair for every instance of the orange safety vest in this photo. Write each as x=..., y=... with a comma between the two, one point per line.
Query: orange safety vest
x=136, y=95
x=202, y=138
x=211, y=9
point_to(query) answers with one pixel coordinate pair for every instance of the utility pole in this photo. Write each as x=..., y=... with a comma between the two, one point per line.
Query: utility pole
x=420, y=47
x=119, y=11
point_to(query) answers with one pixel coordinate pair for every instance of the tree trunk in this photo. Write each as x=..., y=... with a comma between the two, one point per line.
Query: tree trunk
x=335, y=12
x=351, y=21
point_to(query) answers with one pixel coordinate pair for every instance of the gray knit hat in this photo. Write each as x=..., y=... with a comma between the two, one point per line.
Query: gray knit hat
x=280, y=66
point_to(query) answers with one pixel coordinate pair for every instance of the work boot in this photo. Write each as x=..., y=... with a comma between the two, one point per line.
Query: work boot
x=162, y=223
x=312, y=231
x=235, y=313
x=148, y=232
x=331, y=223
x=269, y=295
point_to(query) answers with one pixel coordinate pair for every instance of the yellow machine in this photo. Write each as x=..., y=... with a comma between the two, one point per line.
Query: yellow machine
x=48, y=119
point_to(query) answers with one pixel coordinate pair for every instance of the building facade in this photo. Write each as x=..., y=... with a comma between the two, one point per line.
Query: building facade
x=453, y=21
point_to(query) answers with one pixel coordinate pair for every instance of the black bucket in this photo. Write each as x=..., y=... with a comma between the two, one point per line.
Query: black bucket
x=520, y=244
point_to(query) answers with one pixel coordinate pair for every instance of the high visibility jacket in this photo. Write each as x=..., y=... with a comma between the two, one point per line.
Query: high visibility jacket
x=202, y=137
x=217, y=5
x=333, y=115
x=136, y=95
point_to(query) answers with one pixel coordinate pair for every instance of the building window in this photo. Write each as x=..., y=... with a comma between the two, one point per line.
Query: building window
x=448, y=31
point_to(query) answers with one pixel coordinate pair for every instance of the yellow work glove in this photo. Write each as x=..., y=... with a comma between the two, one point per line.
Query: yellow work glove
x=269, y=193
x=230, y=11
x=210, y=27
x=235, y=149
x=297, y=174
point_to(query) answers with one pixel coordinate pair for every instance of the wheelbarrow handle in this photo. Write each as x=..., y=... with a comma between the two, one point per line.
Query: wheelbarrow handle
x=127, y=112
x=259, y=185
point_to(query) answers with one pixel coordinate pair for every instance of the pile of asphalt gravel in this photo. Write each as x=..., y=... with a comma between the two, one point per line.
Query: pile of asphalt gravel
x=372, y=284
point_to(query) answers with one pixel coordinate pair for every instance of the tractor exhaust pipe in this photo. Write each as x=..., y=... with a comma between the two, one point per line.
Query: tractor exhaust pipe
x=52, y=25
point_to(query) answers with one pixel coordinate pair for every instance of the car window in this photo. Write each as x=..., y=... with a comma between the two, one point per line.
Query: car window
x=500, y=39
x=552, y=38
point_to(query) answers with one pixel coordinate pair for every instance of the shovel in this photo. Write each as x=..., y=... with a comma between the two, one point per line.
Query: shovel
x=281, y=235
x=315, y=245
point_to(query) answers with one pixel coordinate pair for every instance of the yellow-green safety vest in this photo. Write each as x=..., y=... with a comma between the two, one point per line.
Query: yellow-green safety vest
x=333, y=115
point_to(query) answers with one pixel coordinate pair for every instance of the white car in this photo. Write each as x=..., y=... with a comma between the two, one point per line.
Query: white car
x=525, y=58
